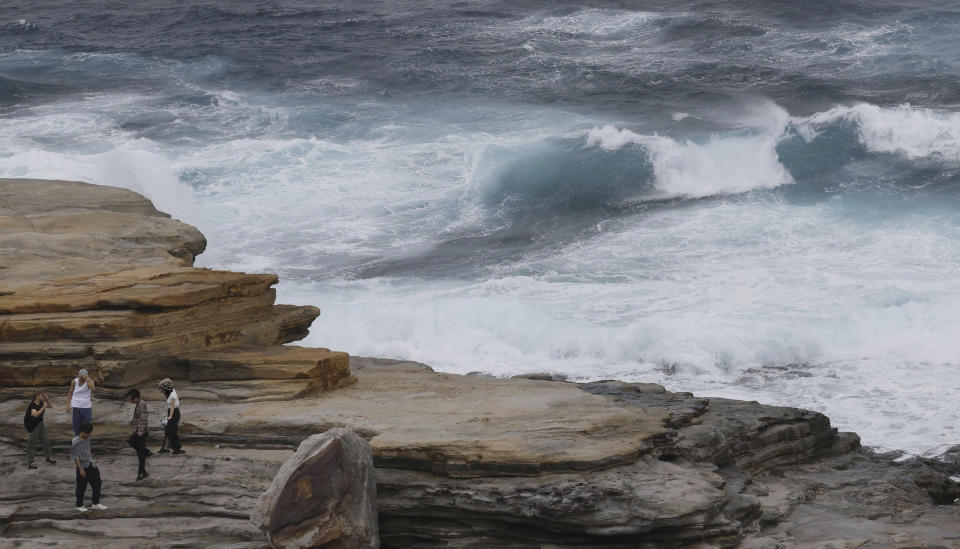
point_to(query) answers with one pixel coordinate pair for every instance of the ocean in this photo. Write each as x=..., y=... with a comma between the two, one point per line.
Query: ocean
x=756, y=199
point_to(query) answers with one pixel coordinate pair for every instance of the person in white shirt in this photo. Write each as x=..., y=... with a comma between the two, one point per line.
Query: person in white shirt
x=172, y=417
x=78, y=400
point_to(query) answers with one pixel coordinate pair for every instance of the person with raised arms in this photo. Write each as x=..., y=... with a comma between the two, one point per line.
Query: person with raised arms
x=78, y=400
x=33, y=422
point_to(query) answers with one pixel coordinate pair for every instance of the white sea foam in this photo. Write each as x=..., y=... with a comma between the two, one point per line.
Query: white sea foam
x=719, y=165
x=146, y=172
x=75, y=141
x=797, y=304
x=592, y=22
x=757, y=300
x=911, y=131
x=737, y=163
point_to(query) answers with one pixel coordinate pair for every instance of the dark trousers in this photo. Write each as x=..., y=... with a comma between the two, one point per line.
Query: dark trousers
x=171, y=430
x=139, y=443
x=81, y=416
x=93, y=478
x=38, y=436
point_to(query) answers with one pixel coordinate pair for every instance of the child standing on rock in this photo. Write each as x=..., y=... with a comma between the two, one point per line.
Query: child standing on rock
x=33, y=422
x=87, y=471
x=172, y=417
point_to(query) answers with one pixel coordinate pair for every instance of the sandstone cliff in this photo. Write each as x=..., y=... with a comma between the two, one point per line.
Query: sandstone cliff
x=95, y=277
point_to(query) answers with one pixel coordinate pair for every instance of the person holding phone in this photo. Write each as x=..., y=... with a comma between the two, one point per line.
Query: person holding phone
x=33, y=422
x=78, y=400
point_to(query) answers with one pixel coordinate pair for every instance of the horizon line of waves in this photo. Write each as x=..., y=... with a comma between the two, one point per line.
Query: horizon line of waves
x=593, y=22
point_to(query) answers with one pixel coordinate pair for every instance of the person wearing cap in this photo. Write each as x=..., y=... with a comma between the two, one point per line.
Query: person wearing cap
x=78, y=400
x=172, y=416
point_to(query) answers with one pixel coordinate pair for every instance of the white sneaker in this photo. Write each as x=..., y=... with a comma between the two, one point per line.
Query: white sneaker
x=99, y=507
x=82, y=509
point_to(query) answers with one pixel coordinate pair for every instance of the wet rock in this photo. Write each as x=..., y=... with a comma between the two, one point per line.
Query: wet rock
x=542, y=376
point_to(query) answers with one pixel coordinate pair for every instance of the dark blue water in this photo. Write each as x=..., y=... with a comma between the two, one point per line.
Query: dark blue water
x=596, y=56
x=749, y=198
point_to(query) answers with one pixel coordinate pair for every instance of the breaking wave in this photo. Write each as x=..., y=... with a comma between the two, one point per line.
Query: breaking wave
x=609, y=167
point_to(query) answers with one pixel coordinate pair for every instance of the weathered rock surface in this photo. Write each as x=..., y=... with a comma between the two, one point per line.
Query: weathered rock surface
x=94, y=277
x=325, y=495
x=461, y=461
x=695, y=485
x=56, y=229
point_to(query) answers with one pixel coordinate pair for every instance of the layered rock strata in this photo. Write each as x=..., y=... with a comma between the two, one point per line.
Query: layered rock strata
x=95, y=277
x=461, y=461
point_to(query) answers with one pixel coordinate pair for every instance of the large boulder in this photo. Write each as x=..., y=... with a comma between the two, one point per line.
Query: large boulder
x=323, y=496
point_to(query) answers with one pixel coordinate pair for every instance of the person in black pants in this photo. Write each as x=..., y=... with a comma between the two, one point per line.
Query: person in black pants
x=172, y=418
x=140, y=431
x=87, y=470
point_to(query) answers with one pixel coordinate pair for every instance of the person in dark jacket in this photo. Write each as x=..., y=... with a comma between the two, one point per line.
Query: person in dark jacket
x=33, y=422
x=140, y=431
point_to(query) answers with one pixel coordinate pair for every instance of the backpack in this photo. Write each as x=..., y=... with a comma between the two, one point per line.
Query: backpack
x=29, y=422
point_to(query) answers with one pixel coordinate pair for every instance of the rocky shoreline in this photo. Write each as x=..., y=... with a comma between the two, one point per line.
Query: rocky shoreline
x=95, y=277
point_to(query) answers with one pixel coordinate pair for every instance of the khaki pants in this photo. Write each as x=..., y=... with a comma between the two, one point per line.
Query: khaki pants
x=38, y=435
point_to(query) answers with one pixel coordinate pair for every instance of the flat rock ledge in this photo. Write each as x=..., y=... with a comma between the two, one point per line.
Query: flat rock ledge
x=95, y=277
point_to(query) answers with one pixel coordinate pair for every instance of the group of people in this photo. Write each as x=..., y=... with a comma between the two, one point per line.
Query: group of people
x=79, y=404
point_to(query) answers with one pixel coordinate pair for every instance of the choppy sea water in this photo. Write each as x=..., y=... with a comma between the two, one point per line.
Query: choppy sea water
x=753, y=199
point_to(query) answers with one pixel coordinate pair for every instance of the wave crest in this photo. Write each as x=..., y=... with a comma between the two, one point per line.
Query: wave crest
x=779, y=150
x=562, y=175
x=593, y=22
x=690, y=169
x=913, y=132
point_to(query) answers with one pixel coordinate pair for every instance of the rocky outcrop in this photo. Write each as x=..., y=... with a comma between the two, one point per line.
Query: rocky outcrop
x=94, y=277
x=691, y=481
x=461, y=461
x=61, y=229
x=323, y=496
